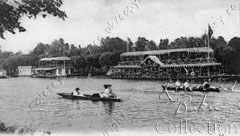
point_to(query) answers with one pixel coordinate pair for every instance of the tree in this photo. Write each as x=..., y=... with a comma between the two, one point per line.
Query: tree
x=220, y=49
x=40, y=50
x=12, y=11
x=163, y=44
x=78, y=63
x=234, y=59
x=59, y=48
x=187, y=42
x=3, y=56
x=141, y=43
x=113, y=45
x=74, y=51
x=109, y=59
x=152, y=45
x=181, y=42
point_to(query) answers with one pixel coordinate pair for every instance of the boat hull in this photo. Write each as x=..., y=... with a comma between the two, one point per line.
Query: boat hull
x=87, y=97
x=193, y=89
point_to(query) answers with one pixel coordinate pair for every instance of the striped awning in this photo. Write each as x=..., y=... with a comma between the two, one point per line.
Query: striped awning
x=56, y=58
x=156, y=52
x=45, y=69
x=127, y=66
x=193, y=65
x=154, y=59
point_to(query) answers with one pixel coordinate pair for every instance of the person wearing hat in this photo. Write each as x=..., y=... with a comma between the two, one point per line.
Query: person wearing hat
x=77, y=93
x=178, y=85
x=107, y=92
x=186, y=85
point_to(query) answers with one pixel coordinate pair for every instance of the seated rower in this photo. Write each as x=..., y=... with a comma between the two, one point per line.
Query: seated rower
x=107, y=92
x=178, y=85
x=77, y=93
x=186, y=86
x=206, y=85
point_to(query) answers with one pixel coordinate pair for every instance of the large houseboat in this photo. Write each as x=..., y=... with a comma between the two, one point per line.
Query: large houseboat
x=184, y=63
x=53, y=67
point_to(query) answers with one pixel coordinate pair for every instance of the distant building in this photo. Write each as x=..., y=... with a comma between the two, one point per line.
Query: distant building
x=24, y=70
x=3, y=72
x=184, y=63
x=53, y=67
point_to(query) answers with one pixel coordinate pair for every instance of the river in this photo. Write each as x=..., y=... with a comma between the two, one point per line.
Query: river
x=141, y=109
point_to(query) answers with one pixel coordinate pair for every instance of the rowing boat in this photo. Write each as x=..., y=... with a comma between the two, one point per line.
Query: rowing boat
x=87, y=97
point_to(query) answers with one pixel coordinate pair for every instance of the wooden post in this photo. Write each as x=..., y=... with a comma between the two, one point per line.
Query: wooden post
x=208, y=71
x=200, y=71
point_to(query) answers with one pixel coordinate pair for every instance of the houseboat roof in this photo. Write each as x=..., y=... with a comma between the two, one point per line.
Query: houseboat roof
x=140, y=53
x=45, y=69
x=56, y=58
x=24, y=66
x=172, y=65
x=127, y=66
x=192, y=65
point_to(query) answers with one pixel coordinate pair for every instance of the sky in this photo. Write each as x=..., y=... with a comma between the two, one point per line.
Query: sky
x=89, y=20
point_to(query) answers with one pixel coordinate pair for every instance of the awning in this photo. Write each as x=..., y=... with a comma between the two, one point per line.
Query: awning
x=156, y=52
x=56, y=58
x=154, y=59
x=193, y=65
x=127, y=66
x=45, y=69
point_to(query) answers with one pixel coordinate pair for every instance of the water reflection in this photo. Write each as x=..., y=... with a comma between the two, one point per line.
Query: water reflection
x=109, y=106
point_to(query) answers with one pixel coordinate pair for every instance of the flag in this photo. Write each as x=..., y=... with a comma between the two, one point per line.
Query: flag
x=129, y=42
x=210, y=31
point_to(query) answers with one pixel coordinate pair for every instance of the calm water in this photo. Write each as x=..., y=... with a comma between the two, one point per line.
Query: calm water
x=141, y=109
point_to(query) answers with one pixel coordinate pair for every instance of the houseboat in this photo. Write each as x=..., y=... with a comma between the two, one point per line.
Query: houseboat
x=53, y=67
x=184, y=63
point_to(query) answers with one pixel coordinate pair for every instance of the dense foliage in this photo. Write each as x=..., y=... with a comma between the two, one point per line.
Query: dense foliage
x=11, y=12
x=99, y=58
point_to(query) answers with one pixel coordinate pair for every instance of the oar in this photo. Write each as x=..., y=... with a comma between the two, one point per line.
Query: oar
x=234, y=86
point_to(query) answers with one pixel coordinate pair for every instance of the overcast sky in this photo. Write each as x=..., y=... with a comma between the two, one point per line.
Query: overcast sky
x=153, y=19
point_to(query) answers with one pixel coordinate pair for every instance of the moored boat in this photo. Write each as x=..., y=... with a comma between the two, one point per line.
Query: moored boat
x=191, y=89
x=87, y=97
x=3, y=76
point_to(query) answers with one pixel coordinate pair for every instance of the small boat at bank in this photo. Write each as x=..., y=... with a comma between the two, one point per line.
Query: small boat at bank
x=87, y=97
x=191, y=89
x=3, y=76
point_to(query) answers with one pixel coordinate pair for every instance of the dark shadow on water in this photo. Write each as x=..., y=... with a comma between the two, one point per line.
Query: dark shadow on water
x=108, y=106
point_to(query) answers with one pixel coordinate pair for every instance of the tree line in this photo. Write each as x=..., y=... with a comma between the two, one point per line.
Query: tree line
x=98, y=58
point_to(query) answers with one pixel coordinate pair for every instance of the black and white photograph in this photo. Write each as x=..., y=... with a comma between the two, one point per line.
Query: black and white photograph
x=119, y=68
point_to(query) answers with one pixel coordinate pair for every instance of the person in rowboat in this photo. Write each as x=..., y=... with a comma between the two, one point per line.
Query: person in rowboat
x=186, y=86
x=178, y=85
x=107, y=92
x=110, y=93
x=77, y=93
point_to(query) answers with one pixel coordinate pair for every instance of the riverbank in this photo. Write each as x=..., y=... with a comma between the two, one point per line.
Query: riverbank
x=14, y=130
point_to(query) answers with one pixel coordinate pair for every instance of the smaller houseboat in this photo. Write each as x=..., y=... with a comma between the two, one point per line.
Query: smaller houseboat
x=53, y=67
